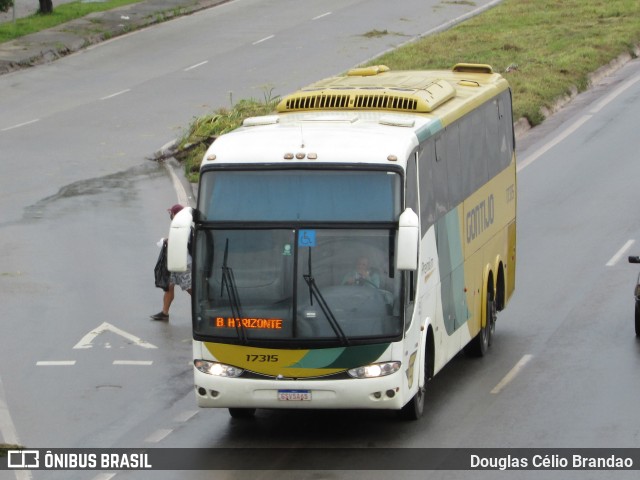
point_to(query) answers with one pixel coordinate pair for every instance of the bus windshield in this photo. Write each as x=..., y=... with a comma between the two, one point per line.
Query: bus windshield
x=299, y=195
x=296, y=285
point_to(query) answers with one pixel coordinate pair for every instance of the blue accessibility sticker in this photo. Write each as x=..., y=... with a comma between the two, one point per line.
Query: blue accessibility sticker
x=307, y=238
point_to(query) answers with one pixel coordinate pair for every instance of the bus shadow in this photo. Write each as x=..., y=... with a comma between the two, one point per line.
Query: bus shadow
x=357, y=428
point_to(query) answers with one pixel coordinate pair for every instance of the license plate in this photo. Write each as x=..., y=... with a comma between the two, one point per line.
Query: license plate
x=294, y=395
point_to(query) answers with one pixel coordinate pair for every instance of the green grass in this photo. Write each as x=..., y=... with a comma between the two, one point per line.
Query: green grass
x=61, y=14
x=549, y=48
x=545, y=48
x=553, y=45
x=203, y=130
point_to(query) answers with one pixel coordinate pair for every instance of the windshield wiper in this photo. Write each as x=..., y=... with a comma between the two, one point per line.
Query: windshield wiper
x=229, y=284
x=314, y=291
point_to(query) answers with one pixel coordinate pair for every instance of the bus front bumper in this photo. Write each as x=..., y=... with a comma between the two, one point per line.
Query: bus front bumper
x=367, y=393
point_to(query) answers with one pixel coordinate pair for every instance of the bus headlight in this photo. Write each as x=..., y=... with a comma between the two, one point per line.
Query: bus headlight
x=375, y=370
x=217, y=369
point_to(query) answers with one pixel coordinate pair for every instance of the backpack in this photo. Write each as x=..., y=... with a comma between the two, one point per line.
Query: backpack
x=161, y=272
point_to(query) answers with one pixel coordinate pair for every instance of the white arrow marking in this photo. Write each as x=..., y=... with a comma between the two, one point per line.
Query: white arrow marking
x=86, y=341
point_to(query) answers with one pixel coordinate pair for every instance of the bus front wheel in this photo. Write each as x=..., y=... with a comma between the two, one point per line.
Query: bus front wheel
x=415, y=408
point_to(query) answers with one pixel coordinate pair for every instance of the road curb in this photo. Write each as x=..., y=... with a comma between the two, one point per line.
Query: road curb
x=62, y=40
x=522, y=126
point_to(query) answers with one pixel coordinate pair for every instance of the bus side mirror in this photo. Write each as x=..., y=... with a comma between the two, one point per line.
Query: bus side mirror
x=179, y=233
x=408, y=240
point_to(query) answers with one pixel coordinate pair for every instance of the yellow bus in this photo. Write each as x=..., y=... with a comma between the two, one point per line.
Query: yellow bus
x=346, y=247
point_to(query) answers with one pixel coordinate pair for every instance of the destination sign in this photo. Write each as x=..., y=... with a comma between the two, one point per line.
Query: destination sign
x=257, y=323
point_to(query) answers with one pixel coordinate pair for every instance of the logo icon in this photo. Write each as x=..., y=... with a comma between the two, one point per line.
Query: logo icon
x=23, y=459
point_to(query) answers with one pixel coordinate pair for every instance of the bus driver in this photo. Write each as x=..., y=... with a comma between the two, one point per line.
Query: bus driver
x=362, y=274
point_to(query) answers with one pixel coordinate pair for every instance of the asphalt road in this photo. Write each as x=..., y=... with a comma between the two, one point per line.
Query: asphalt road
x=82, y=210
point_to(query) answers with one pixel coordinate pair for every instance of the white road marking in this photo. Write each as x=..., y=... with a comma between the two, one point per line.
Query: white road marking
x=104, y=476
x=7, y=427
x=263, y=40
x=616, y=258
x=23, y=474
x=158, y=435
x=185, y=416
x=116, y=94
x=8, y=432
x=512, y=374
x=196, y=65
x=133, y=362
x=20, y=125
x=86, y=341
x=322, y=16
x=598, y=106
x=541, y=151
x=181, y=193
x=55, y=363
x=606, y=100
x=441, y=28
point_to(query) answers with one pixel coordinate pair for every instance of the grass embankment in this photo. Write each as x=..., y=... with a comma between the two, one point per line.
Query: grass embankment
x=545, y=48
x=549, y=47
x=61, y=14
x=203, y=130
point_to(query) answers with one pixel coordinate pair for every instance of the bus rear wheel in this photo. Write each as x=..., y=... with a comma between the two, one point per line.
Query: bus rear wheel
x=242, y=412
x=492, y=316
x=482, y=341
x=637, y=319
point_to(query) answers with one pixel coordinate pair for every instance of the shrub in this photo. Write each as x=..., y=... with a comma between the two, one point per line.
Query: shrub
x=5, y=5
x=204, y=130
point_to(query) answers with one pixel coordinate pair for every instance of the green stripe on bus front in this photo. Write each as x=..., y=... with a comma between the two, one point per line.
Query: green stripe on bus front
x=342, y=357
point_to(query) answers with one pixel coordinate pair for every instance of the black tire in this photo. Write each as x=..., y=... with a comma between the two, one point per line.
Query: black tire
x=637, y=318
x=492, y=316
x=242, y=412
x=415, y=408
x=479, y=345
